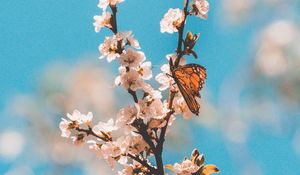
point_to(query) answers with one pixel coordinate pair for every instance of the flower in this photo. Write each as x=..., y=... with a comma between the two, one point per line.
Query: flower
x=104, y=3
x=131, y=58
x=185, y=168
x=75, y=116
x=107, y=127
x=128, y=170
x=145, y=70
x=200, y=8
x=109, y=48
x=64, y=127
x=164, y=78
x=172, y=20
x=130, y=80
x=128, y=36
x=126, y=116
x=87, y=118
x=180, y=106
x=102, y=21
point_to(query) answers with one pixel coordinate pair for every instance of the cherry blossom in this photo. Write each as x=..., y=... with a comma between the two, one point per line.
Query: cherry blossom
x=109, y=48
x=145, y=70
x=104, y=3
x=130, y=80
x=200, y=8
x=185, y=168
x=126, y=116
x=171, y=21
x=128, y=170
x=107, y=127
x=102, y=21
x=130, y=40
x=65, y=129
x=131, y=58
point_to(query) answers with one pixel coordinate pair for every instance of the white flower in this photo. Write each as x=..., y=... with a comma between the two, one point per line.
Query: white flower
x=130, y=80
x=126, y=116
x=87, y=118
x=131, y=58
x=128, y=170
x=104, y=3
x=164, y=78
x=102, y=21
x=155, y=94
x=109, y=48
x=64, y=127
x=174, y=57
x=109, y=152
x=128, y=36
x=75, y=116
x=180, y=106
x=185, y=168
x=145, y=70
x=172, y=20
x=200, y=8
x=107, y=127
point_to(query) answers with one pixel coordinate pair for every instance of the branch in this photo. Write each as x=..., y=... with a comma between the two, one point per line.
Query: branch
x=91, y=132
x=143, y=162
x=179, y=51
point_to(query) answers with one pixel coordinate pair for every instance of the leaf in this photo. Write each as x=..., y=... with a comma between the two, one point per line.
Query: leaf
x=209, y=169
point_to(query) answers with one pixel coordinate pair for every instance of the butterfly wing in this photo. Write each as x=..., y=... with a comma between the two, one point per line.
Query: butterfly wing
x=190, y=79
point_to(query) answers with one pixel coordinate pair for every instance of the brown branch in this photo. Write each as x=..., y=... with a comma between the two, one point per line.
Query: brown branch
x=143, y=162
x=180, y=53
x=114, y=19
x=133, y=94
x=90, y=131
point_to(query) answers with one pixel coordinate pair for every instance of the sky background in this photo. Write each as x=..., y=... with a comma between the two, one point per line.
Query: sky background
x=37, y=33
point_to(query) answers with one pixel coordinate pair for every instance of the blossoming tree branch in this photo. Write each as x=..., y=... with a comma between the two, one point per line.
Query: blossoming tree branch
x=145, y=124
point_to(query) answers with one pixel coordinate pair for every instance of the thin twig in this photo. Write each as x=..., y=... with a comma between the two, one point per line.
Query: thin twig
x=143, y=162
x=180, y=53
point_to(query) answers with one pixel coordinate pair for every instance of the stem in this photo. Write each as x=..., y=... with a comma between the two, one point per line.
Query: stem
x=90, y=132
x=180, y=53
x=143, y=162
x=180, y=33
x=114, y=19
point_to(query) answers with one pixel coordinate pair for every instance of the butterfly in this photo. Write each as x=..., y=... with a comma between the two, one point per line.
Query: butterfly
x=190, y=79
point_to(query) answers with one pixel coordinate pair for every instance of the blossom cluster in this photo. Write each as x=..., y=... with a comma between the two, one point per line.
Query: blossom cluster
x=144, y=124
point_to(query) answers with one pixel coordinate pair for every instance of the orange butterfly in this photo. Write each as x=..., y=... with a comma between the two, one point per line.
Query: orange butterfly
x=190, y=79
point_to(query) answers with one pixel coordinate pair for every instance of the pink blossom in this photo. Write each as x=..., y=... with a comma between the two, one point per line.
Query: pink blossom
x=131, y=58
x=126, y=116
x=180, y=106
x=128, y=36
x=102, y=21
x=107, y=127
x=109, y=48
x=128, y=170
x=145, y=70
x=64, y=127
x=104, y=3
x=172, y=20
x=185, y=168
x=129, y=80
x=200, y=8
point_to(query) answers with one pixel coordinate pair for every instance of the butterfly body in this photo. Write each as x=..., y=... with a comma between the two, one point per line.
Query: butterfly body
x=190, y=79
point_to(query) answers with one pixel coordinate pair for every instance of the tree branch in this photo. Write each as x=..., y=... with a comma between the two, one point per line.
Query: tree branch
x=180, y=53
x=143, y=162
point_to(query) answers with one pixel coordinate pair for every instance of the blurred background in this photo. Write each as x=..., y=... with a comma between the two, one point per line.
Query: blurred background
x=249, y=122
